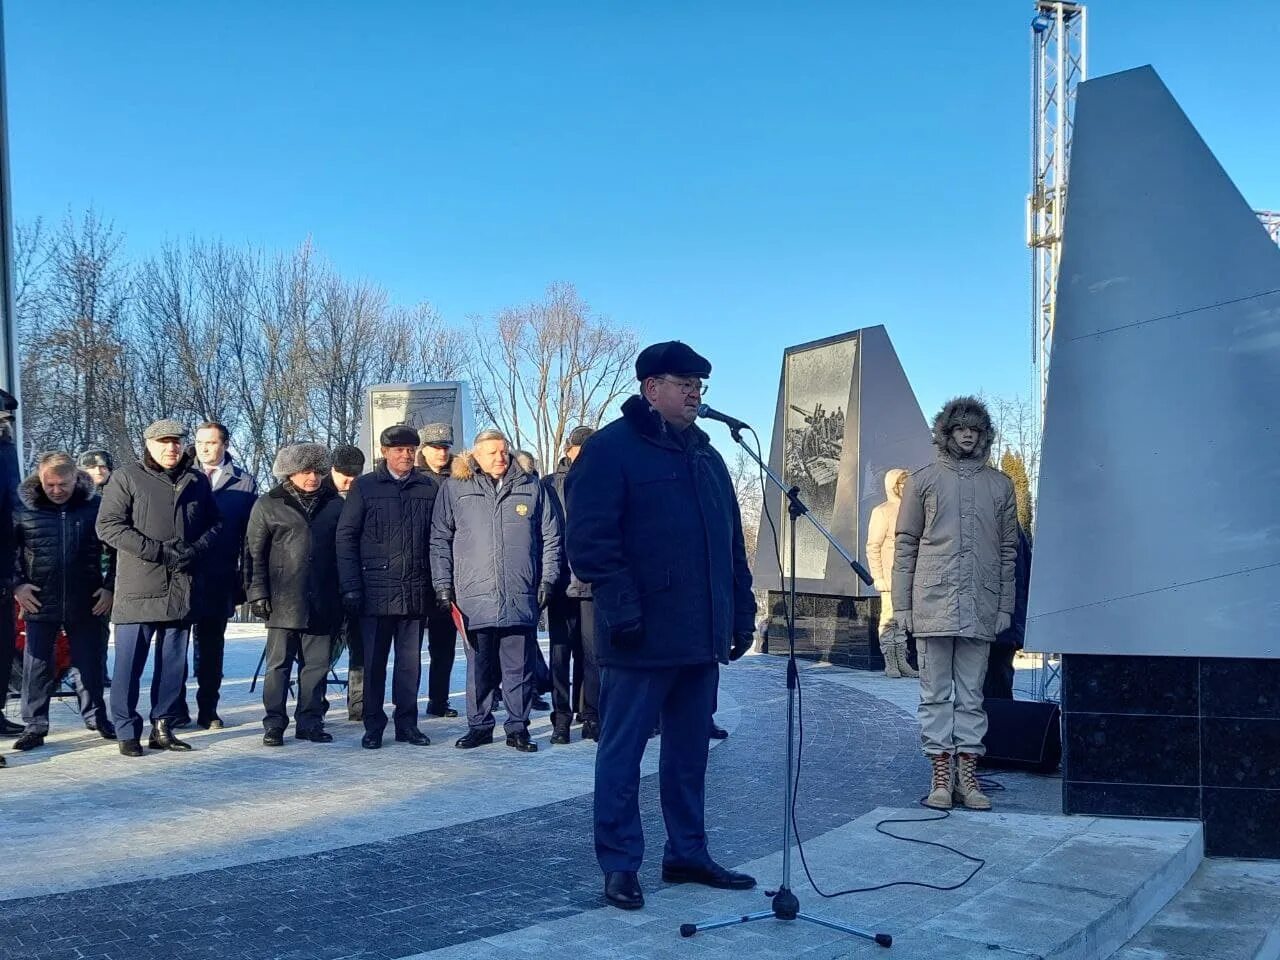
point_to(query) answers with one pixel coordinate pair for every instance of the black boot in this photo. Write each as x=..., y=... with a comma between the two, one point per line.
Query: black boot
x=622, y=889
x=130, y=748
x=273, y=738
x=162, y=737
x=520, y=741
x=474, y=738
x=590, y=730
x=561, y=732
x=29, y=741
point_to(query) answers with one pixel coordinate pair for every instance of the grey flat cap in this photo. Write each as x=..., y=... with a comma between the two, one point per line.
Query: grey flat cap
x=436, y=433
x=165, y=428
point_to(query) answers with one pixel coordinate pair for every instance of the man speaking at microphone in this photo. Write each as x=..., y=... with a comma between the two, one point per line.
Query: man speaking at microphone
x=654, y=528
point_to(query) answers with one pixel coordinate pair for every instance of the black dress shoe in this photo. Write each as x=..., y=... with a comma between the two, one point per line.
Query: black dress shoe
x=622, y=889
x=520, y=741
x=163, y=738
x=560, y=734
x=273, y=738
x=10, y=729
x=539, y=704
x=210, y=723
x=371, y=741
x=107, y=730
x=590, y=730
x=709, y=875
x=130, y=748
x=719, y=733
x=29, y=741
x=318, y=735
x=474, y=738
x=413, y=735
x=446, y=712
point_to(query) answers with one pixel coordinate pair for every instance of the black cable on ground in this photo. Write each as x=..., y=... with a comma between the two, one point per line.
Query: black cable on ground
x=991, y=785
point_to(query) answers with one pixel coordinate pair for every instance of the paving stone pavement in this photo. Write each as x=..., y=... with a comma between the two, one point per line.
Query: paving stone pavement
x=328, y=851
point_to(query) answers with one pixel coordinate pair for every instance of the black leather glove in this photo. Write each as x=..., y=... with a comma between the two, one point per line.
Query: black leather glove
x=628, y=636
x=353, y=602
x=544, y=595
x=177, y=555
x=741, y=644
x=261, y=609
x=445, y=599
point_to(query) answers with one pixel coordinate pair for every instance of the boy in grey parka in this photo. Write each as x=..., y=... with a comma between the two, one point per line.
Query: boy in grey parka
x=953, y=589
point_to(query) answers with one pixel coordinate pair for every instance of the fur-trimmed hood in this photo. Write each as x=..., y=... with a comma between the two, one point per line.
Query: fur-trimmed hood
x=32, y=494
x=464, y=467
x=891, y=479
x=966, y=412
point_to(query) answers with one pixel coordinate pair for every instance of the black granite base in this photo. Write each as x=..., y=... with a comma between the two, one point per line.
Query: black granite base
x=839, y=630
x=1176, y=737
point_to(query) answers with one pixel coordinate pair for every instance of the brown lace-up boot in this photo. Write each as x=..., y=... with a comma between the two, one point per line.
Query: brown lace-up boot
x=940, y=790
x=967, y=790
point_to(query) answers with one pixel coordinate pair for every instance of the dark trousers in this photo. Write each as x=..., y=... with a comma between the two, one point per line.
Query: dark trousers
x=209, y=645
x=133, y=646
x=499, y=657
x=355, y=667
x=575, y=679
x=8, y=643
x=631, y=703
x=311, y=651
x=999, y=682
x=381, y=635
x=442, y=645
x=39, y=673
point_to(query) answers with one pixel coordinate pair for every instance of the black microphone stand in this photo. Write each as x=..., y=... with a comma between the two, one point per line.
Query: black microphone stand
x=786, y=906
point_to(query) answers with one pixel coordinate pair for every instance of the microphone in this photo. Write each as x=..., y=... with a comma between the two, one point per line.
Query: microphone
x=706, y=413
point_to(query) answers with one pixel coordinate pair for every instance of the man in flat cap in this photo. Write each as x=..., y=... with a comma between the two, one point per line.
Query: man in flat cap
x=435, y=459
x=293, y=587
x=385, y=577
x=575, y=677
x=160, y=517
x=654, y=528
x=347, y=464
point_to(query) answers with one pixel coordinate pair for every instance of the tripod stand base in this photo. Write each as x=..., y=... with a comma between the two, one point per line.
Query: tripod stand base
x=786, y=906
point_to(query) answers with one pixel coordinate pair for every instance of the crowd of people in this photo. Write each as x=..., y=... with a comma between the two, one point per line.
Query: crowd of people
x=632, y=549
x=330, y=558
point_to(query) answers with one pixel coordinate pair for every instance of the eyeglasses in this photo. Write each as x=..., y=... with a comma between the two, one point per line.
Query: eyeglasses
x=689, y=388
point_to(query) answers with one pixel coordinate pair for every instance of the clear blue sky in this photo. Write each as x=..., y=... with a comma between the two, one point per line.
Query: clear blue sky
x=740, y=175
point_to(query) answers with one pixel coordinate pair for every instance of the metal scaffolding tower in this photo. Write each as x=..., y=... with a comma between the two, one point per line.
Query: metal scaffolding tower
x=1058, y=65
x=1271, y=220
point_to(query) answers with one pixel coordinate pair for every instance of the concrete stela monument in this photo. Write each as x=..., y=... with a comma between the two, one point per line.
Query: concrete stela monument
x=845, y=416
x=1157, y=565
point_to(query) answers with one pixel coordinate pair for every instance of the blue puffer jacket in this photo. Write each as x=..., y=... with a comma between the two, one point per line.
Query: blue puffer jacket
x=494, y=546
x=654, y=527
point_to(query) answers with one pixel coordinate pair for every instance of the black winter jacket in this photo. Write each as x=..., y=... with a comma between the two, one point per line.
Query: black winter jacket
x=143, y=507
x=290, y=559
x=569, y=584
x=382, y=541
x=58, y=551
x=8, y=493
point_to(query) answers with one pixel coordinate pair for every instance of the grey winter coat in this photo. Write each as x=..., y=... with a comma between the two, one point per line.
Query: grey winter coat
x=58, y=551
x=291, y=560
x=956, y=546
x=494, y=545
x=143, y=507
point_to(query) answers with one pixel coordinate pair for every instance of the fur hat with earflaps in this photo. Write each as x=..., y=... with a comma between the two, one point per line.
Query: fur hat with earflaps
x=300, y=457
x=964, y=412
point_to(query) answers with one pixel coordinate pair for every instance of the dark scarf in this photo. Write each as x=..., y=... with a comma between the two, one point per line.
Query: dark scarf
x=308, y=501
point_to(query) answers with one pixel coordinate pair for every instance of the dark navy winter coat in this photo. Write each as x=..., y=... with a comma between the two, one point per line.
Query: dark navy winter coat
x=382, y=543
x=219, y=585
x=568, y=584
x=494, y=545
x=58, y=550
x=654, y=527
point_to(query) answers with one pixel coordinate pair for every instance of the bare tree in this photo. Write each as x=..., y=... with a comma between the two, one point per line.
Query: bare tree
x=1015, y=424
x=746, y=478
x=542, y=369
